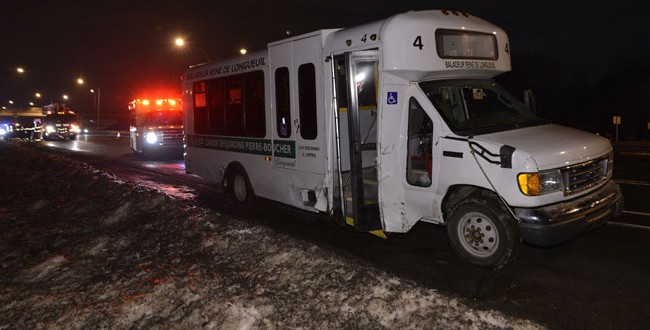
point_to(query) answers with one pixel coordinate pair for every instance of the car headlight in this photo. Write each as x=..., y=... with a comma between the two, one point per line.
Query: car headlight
x=50, y=129
x=540, y=183
x=151, y=137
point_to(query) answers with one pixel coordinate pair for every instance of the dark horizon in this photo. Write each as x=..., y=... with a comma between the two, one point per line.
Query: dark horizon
x=566, y=53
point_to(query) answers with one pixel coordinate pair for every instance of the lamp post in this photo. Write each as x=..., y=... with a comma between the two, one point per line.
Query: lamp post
x=96, y=99
x=96, y=94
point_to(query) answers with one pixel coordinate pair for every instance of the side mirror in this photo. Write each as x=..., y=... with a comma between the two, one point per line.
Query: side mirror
x=529, y=100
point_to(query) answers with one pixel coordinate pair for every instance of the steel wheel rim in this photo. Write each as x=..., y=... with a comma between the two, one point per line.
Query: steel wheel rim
x=240, y=188
x=478, y=235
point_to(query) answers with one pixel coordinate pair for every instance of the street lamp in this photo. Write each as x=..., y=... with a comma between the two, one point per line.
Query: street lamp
x=181, y=43
x=96, y=98
x=20, y=70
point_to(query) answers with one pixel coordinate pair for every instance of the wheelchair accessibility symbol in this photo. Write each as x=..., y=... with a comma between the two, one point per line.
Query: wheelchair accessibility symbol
x=391, y=98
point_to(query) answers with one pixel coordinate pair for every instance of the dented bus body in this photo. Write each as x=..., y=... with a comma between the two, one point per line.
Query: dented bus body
x=393, y=122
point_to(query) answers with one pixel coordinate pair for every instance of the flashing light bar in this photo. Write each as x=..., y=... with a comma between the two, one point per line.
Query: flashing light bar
x=147, y=102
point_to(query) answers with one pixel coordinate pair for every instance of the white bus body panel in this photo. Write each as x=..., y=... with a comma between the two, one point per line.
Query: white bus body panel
x=284, y=179
x=405, y=45
x=401, y=204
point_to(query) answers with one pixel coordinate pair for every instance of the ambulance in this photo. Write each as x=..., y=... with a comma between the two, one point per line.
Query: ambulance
x=156, y=125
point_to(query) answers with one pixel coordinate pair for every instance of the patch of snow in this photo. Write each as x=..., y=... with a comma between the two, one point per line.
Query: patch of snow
x=140, y=259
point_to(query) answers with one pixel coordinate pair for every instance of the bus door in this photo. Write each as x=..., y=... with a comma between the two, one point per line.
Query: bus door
x=356, y=195
x=284, y=135
x=296, y=71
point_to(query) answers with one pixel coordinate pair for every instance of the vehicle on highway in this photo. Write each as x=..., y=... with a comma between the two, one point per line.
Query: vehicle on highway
x=59, y=123
x=14, y=130
x=394, y=122
x=156, y=125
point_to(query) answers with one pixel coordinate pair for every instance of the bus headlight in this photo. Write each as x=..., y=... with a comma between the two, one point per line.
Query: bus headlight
x=540, y=183
x=151, y=137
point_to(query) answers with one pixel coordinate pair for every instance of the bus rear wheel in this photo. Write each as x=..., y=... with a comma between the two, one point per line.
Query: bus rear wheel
x=240, y=187
x=482, y=232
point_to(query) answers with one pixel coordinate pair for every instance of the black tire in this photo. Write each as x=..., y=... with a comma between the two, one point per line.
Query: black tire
x=239, y=187
x=482, y=232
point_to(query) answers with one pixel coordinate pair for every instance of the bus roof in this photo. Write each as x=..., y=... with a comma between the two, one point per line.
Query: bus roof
x=410, y=44
x=415, y=45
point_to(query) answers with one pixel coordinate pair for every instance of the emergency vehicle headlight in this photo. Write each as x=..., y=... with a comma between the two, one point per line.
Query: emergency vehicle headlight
x=2, y=131
x=540, y=183
x=151, y=137
x=50, y=129
x=75, y=128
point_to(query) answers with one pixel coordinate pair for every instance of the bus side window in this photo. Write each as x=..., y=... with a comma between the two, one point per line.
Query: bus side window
x=255, y=120
x=307, y=101
x=420, y=133
x=234, y=108
x=217, y=109
x=282, y=102
x=201, y=124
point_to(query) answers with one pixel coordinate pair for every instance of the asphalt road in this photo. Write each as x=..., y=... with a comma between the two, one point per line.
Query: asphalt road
x=598, y=281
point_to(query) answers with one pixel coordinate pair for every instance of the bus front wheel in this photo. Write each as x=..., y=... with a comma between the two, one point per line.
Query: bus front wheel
x=482, y=232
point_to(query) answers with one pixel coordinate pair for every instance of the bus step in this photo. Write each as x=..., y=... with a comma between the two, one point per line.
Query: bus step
x=368, y=218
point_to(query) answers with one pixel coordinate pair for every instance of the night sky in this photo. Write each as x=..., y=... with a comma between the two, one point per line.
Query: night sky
x=127, y=48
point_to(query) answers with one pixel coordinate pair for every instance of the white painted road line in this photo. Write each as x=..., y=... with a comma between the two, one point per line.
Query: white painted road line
x=638, y=213
x=635, y=183
x=629, y=225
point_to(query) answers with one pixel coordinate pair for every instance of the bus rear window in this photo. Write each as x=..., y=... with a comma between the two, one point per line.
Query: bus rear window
x=462, y=44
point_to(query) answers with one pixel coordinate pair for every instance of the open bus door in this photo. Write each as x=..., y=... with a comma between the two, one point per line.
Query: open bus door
x=355, y=193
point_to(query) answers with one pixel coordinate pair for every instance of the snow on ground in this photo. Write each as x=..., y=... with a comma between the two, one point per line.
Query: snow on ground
x=82, y=249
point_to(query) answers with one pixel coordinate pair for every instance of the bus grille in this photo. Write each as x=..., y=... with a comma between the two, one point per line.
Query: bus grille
x=585, y=175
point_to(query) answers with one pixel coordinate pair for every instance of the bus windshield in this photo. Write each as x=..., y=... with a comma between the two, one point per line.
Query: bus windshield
x=163, y=118
x=472, y=107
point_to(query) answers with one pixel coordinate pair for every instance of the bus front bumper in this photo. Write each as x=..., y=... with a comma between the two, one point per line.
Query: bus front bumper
x=561, y=222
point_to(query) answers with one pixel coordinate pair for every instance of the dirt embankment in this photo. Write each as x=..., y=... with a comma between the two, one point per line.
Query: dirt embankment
x=82, y=249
